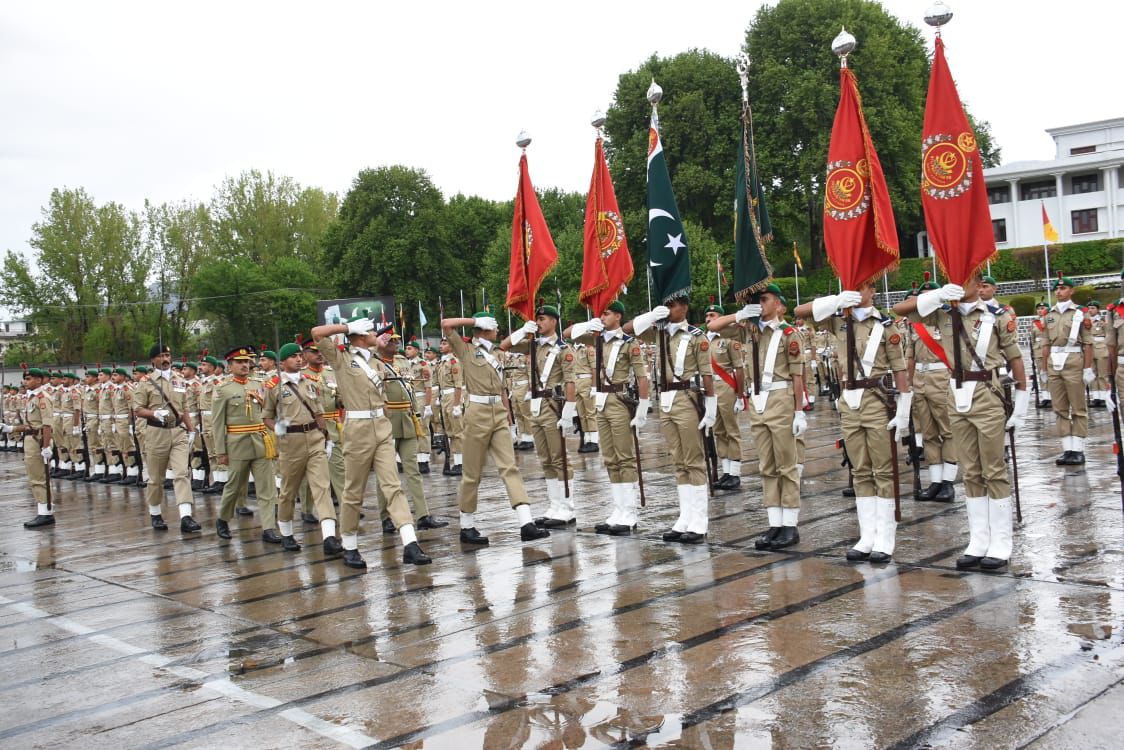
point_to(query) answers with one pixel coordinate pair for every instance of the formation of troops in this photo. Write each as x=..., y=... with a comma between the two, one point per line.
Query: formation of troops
x=940, y=375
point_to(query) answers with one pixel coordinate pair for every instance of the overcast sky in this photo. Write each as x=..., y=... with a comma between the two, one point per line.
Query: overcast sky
x=161, y=100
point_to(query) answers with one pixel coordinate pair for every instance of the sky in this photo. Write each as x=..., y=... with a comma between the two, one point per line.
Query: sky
x=162, y=100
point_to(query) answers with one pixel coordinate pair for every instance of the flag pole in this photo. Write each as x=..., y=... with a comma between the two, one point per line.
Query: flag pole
x=1046, y=256
x=718, y=271
x=796, y=272
x=885, y=290
x=421, y=325
x=649, y=275
x=462, y=310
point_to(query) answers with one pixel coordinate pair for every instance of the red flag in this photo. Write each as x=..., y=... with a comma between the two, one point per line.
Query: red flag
x=858, y=228
x=953, y=192
x=532, y=250
x=607, y=265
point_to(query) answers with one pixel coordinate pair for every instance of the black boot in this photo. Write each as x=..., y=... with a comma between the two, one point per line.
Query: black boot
x=930, y=493
x=528, y=532
x=765, y=541
x=1065, y=459
x=222, y=528
x=290, y=544
x=413, y=555
x=309, y=518
x=602, y=528
x=429, y=522
x=196, y=485
x=352, y=559
x=388, y=526
x=690, y=537
x=472, y=536
x=168, y=484
x=672, y=536
x=188, y=525
x=1078, y=458
x=854, y=555
x=788, y=537
x=992, y=563
x=332, y=546
x=39, y=520
x=242, y=510
x=423, y=467
x=270, y=536
x=947, y=492
x=965, y=562
x=848, y=492
x=214, y=489
x=159, y=523
x=620, y=529
x=588, y=448
x=879, y=557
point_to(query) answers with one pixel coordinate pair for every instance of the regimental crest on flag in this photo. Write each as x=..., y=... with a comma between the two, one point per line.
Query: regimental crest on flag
x=528, y=240
x=847, y=193
x=946, y=165
x=610, y=233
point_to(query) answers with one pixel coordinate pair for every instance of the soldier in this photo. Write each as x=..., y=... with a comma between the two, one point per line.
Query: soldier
x=212, y=376
x=929, y=378
x=417, y=373
x=553, y=406
x=1067, y=360
x=34, y=426
x=683, y=357
x=587, y=413
x=162, y=401
x=872, y=352
x=189, y=371
x=368, y=437
x=331, y=411
x=977, y=411
x=811, y=364
x=776, y=415
x=242, y=443
x=121, y=426
x=1099, y=389
x=1037, y=341
x=114, y=469
x=486, y=428
x=450, y=384
x=519, y=379
x=728, y=363
x=621, y=360
x=1114, y=340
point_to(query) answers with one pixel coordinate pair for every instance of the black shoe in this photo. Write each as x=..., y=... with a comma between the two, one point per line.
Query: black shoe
x=429, y=522
x=947, y=493
x=588, y=448
x=111, y=479
x=528, y=532
x=270, y=536
x=848, y=492
x=92, y=478
x=992, y=563
x=76, y=475
x=309, y=518
x=289, y=544
x=854, y=555
x=242, y=510
x=1063, y=459
x=141, y=483
x=332, y=546
x=555, y=523
x=38, y=521
x=788, y=537
x=602, y=528
x=1045, y=404
x=448, y=472
x=413, y=555
x=456, y=470
x=930, y=493
x=620, y=529
x=423, y=467
x=527, y=445
x=352, y=559
x=158, y=522
x=672, y=536
x=472, y=536
x=168, y=484
x=1078, y=458
x=398, y=464
x=690, y=537
x=388, y=526
x=188, y=525
x=964, y=562
x=251, y=490
x=879, y=557
x=765, y=541
x=128, y=481
x=222, y=528
x=214, y=489
x=196, y=485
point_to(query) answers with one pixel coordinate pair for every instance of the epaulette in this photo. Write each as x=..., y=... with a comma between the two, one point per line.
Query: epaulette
x=695, y=331
x=272, y=382
x=789, y=330
x=887, y=321
x=626, y=338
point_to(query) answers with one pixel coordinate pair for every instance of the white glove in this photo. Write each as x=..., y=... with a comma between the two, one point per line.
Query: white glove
x=191, y=440
x=641, y=417
x=458, y=411
x=739, y=404
x=644, y=321
x=900, y=421
x=46, y=454
x=1018, y=413
x=951, y=292
x=749, y=311
x=529, y=328
x=1088, y=375
x=427, y=412
x=824, y=307
x=76, y=431
x=710, y=413
x=799, y=424
x=161, y=414
x=1043, y=378
x=281, y=427
x=363, y=325
x=590, y=326
x=846, y=299
x=569, y=411
x=329, y=447
x=6, y=429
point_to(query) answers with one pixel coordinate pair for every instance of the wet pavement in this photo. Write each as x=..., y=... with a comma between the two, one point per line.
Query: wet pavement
x=114, y=635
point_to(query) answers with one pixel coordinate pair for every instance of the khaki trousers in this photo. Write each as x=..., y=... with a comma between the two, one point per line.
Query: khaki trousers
x=370, y=445
x=454, y=426
x=166, y=448
x=727, y=434
x=1103, y=371
x=776, y=450
x=587, y=409
x=980, y=434
x=123, y=442
x=930, y=409
x=486, y=434
x=407, y=450
x=522, y=408
x=868, y=445
x=64, y=441
x=335, y=477
x=235, y=488
x=302, y=458
x=1067, y=391
x=93, y=439
x=548, y=441
x=36, y=469
x=680, y=428
x=618, y=453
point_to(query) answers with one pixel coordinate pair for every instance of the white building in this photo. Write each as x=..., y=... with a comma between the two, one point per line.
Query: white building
x=1082, y=188
x=11, y=331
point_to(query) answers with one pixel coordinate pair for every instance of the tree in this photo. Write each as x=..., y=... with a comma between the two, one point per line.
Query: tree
x=179, y=235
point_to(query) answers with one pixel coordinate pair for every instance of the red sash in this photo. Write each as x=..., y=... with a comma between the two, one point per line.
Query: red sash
x=931, y=343
x=727, y=377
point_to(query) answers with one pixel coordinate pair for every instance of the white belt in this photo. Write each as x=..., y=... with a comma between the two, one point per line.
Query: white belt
x=583, y=377
x=1068, y=349
x=105, y=416
x=520, y=382
x=930, y=366
x=472, y=397
x=57, y=414
x=1120, y=359
x=776, y=385
x=448, y=391
x=1099, y=339
x=372, y=414
x=206, y=412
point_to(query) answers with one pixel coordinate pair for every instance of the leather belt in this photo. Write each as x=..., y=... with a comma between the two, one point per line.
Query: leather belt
x=475, y=399
x=612, y=387
x=861, y=383
x=679, y=385
x=158, y=423
x=545, y=393
x=298, y=428
x=980, y=376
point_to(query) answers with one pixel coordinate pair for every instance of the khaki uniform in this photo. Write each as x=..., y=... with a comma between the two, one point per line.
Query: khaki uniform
x=97, y=458
x=105, y=429
x=301, y=450
x=121, y=399
x=401, y=410
x=242, y=437
x=167, y=446
x=417, y=373
x=930, y=400
x=36, y=410
x=554, y=360
x=1101, y=367
x=207, y=385
x=1114, y=337
x=195, y=459
x=583, y=386
x=1064, y=367
x=450, y=384
x=331, y=410
x=728, y=355
x=519, y=380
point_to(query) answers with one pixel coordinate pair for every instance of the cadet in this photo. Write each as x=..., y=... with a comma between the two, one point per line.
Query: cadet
x=1037, y=341
x=486, y=428
x=34, y=414
x=520, y=382
x=1067, y=360
x=925, y=351
x=1099, y=390
x=331, y=409
x=776, y=414
x=587, y=413
x=450, y=384
x=680, y=423
x=873, y=350
x=728, y=362
x=617, y=416
x=977, y=411
x=162, y=402
x=121, y=400
x=553, y=406
x=417, y=373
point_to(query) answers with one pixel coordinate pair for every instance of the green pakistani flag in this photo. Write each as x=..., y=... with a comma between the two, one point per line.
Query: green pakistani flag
x=752, y=228
x=668, y=261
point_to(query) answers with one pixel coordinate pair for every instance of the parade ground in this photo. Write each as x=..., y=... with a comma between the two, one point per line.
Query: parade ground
x=114, y=635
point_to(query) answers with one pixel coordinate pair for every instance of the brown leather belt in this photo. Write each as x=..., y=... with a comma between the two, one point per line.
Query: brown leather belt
x=863, y=383
x=300, y=428
x=545, y=393
x=680, y=385
x=158, y=423
x=612, y=387
x=980, y=376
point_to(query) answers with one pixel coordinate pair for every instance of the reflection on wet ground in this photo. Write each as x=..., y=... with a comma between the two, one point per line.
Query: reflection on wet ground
x=114, y=635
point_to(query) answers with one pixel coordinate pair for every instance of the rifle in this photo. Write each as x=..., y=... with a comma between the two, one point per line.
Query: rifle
x=86, y=458
x=841, y=445
x=136, y=453
x=912, y=456
x=1118, y=444
x=1034, y=376
x=46, y=470
x=204, y=458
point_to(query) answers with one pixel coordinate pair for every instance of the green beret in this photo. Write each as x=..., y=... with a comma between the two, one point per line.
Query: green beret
x=616, y=306
x=550, y=310
x=1093, y=303
x=359, y=315
x=776, y=291
x=192, y=365
x=1042, y=304
x=35, y=372
x=212, y=361
x=107, y=371
x=287, y=350
x=433, y=349
x=270, y=354
x=985, y=279
x=158, y=349
x=714, y=309
x=91, y=372
x=1063, y=281
x=141, y=369
x=121, y=371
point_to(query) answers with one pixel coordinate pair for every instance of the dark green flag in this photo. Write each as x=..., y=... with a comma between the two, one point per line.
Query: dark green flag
x=752, y=228
x=668, y=260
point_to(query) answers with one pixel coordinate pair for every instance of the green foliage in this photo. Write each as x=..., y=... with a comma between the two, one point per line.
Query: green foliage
x=1082, y=294
x=1023, y=304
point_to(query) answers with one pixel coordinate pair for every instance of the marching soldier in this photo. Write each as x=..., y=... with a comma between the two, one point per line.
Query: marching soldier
x=552, y=383
x=977, y=410
x=190, y=373
x=450, y=384
x=114, y=470
x=872, y=352
x=242, y=443
x=486, y=428
x=121, y=403
x=331, y=411
x=687, y=358
x=776, y=413
x=930, y=372
x=727, y=360
x=417, y=373
x=368, y=437
x=1067, y=360
x=162, y=401
x=1037, y=341
x=520, y=382
x=1099, y=389
x=587, y=413
x=811, y=362
x=34, y=426
x=621, y=360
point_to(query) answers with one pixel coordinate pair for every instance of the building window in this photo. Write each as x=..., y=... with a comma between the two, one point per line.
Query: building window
x=999, y=229
x=998, y=195
x=1086, y=183
x=1084, y=221
x=1078, y=150
x=1033, y=191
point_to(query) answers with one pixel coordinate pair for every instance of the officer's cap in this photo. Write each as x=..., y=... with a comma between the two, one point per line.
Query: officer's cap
x=241, y=352
x=158, y=349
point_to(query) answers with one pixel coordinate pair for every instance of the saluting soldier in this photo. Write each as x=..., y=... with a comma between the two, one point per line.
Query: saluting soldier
x=368, y=436
x=34, y=416
x=162, y=401
x=776, y=413
x=1067, y=360
x=450, y=383
x=728, y=363
x=977, y=409
x=872, y=352
x=688, y=360
x=486, y=427
x=1098, y=392
x=622, y=361
x=587, y=413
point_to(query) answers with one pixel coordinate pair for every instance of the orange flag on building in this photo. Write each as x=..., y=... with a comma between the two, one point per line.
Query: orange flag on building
x=1049, y=234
